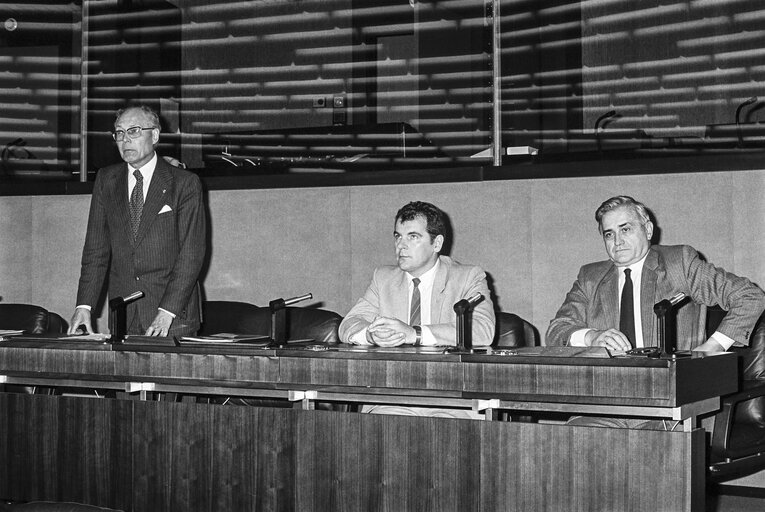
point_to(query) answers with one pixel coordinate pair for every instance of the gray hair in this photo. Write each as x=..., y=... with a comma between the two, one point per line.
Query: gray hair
x=615, y=202
x=148, y=111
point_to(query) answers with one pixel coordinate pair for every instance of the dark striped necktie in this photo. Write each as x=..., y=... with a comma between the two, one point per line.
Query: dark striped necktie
x=414, y=311
x=136, y=202
x=627, y=309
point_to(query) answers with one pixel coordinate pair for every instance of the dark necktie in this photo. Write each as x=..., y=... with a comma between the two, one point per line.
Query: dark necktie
x=414, y=311
x=136, y=202
x=627, y=309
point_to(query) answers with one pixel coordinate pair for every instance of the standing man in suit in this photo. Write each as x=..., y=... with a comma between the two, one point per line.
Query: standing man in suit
x=598, y=312
x=412, y=303
x=147, y=227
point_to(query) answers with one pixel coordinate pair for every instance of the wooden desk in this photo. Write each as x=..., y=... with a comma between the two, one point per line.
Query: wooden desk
x=146, y=455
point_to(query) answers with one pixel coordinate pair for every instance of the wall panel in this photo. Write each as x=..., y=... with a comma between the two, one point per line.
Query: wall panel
x=531, y=236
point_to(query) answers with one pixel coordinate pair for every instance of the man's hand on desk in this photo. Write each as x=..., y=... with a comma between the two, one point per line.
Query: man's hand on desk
x=390, y=332
x=612, y=339
x=81, y=317
x=161, y=324
x=709, y=346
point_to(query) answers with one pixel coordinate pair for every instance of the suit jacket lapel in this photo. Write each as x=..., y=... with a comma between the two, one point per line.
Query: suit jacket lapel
x=155, y=199
x=401, y=305
x=648, y=281
x=439, y=285
x=609, y=296
x=119, y=195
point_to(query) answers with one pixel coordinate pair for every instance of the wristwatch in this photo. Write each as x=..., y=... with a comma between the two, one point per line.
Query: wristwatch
x=417, y=335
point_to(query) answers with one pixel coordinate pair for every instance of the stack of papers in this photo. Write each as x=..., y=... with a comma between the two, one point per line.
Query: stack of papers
x=97, y=336
x=227, y=337
x=6, y=334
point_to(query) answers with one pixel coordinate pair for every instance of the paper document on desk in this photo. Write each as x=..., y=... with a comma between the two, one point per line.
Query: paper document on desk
x=8, y=334
x=598, y=352
x=226, y=337
x=87, y=337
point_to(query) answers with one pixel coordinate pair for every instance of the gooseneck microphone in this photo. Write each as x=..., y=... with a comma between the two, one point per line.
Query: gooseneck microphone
x=667, y=333
x=118, y=315
x=596, y=129
x=278, y=309
x=741, y=106
x=464, y=332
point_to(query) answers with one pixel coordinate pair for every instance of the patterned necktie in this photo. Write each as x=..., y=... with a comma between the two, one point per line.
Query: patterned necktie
x=627, y=309
x=136, y=202
x=414, y=310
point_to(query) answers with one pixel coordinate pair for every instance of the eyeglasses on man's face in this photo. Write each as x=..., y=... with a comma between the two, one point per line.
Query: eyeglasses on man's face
x=133, y=132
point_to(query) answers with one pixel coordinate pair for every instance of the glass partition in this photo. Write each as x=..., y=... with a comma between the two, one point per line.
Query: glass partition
x=273, y=86
x=304, y=86
x=621, y=78
x=40, y=89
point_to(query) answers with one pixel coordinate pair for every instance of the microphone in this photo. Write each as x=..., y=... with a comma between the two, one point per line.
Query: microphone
x=301, y=298
x=663, y=307
x=278, y=309
x=667, y=333
x=118, y=315
x=475, y=299
x=464, y=305
x=464, y=334
x=133, y=296
x=610, y=113
x=741, y=106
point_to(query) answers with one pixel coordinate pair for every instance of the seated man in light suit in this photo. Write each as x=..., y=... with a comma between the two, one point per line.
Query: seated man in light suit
x=412, y=303
x=384, y=316
x=597, y=312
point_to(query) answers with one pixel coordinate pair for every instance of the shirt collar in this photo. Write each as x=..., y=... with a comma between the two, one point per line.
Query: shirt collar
x=148, y=168
x=636, y=268
x=426, y=279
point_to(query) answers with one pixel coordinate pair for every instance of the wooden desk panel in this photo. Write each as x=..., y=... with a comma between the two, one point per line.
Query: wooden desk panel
x=561, y=383
x=317, y=372
x=149, y=456
x=66, y=448
x=144, y=365
x=556, y=467
x=57, y=360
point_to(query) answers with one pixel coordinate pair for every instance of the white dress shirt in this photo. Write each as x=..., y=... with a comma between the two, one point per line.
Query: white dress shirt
x=426, y=291
x=578, y=337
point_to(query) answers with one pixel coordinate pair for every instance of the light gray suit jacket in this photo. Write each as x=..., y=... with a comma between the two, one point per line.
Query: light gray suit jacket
x=388, y=295
x=593, y=301
x=166, y=257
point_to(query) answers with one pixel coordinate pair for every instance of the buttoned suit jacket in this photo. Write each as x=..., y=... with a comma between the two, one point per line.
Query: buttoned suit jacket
x=166, y=257
x=593, y=301
x=388, y=296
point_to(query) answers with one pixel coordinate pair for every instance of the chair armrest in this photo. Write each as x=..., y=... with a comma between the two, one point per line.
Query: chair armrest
x=723, y=424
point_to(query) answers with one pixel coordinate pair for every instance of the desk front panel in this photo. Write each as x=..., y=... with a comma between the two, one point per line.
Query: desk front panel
x=576, y=384
x=148, y=456
x=57, y=360
x=360, y=373
x=245, y=368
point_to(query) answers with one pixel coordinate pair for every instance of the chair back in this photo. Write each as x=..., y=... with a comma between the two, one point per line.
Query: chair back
x=751, y=368
x=512, y=331
x=230, y=316
x=243, y=318
x=26, y=317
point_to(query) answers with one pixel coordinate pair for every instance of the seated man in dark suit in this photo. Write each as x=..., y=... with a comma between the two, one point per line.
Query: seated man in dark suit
x=591, y=315
x=412, y=302
x=611, y=302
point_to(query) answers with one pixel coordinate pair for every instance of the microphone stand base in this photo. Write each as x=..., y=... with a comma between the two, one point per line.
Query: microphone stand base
x=673, y=356
x=458, y=350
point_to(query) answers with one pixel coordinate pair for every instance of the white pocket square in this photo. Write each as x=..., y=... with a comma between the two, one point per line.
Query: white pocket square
x=165, y=208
